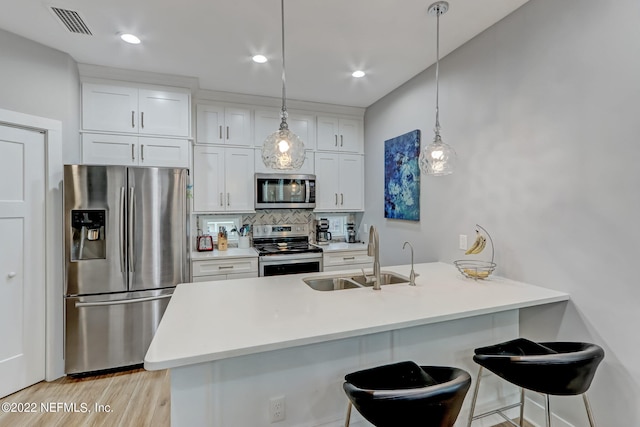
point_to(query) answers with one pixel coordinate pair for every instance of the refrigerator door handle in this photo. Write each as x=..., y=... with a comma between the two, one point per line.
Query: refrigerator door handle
x=118, y=302
x=132, y=223
x=123, y=247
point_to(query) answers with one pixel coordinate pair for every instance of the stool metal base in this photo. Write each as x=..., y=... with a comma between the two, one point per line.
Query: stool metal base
x=347, y=421
x=499, y=411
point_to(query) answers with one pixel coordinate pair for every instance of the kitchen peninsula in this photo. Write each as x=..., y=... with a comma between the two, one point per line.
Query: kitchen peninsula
x=232, y=346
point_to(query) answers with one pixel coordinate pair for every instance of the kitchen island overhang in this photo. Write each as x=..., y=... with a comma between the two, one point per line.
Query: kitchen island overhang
x=217, y=335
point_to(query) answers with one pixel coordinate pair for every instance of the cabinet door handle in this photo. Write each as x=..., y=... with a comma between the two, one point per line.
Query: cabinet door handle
x=142, y=152
x=228, y=199
x=336, y=144
x=142, y=119
x=336, y=198
x=225, y=267
x=133, y=151
x=220, y=131
x=133, y=119
x=221, y=199
x=341, y=140
x=227, y=132
x=341, y=198
x=348, y=258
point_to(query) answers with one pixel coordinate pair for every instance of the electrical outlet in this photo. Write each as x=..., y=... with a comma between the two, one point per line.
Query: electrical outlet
x=277, y=409
x=462, y=242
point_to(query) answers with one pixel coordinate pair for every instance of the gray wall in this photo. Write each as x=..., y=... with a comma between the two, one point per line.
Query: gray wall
x=544, y=112
x=40, y=81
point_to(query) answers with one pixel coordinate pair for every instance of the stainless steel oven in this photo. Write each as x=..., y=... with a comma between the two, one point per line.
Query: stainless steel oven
x=285, y=249
x=285, y=191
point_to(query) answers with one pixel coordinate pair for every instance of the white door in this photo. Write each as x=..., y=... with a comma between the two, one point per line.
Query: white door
x=327, y=181
x=164, y=113
x=108, y=149
x=350, y=135
x=109, y=108
x=237, y=129
x=327, y=133
x=22, y=260
x=239, y=164
x=208, y=179
x=164, y=152
x=351, y=182
x=209, y=123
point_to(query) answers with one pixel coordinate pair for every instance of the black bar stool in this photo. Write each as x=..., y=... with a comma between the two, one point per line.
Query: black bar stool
x=405, y=394
x=550, y=368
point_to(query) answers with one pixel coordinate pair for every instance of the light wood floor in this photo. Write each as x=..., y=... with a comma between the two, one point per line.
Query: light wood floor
x=135, y=398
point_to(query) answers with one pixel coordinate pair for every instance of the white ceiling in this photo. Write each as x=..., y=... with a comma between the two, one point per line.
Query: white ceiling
x=392, y=40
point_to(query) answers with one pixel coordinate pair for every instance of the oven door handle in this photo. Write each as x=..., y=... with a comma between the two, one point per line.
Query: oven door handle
x=308, y=192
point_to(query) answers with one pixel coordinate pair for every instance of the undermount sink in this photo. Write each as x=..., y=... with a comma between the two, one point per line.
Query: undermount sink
x=386, y=278
x=331, y=283
x=336, y=283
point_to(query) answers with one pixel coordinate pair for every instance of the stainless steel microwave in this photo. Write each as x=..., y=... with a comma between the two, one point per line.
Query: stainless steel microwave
x=285, y=191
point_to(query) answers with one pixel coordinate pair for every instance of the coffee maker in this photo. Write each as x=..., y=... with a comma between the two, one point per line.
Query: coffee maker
x=323, y=235
x=351, y=232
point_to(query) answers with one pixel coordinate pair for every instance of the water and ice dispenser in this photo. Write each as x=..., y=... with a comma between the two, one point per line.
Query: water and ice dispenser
x=88, y=234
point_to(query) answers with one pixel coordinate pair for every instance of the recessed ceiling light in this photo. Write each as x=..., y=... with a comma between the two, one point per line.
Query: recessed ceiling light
x=260, y=59
x=130, y=38
x=357, y=74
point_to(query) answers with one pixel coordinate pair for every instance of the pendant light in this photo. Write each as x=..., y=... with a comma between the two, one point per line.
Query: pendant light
x=437, y=158
x=283, y=149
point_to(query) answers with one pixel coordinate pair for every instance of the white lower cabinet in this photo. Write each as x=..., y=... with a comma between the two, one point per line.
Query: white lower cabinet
x=223, y=179
x=339, y=182
x=346, y=260
x=129, y=150
x=223, y=269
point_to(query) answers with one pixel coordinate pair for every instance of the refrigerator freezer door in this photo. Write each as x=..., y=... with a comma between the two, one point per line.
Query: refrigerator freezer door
x=94, y=257
x=157, y=228
x=110, y=331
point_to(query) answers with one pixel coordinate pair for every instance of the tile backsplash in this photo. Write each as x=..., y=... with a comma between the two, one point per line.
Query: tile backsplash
x=283, y=216
x=280, y=216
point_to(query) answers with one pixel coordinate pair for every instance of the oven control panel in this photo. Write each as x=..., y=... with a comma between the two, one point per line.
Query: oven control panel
x=280, y=230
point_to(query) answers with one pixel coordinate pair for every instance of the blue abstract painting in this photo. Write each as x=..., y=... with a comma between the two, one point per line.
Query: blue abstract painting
x=402, y=177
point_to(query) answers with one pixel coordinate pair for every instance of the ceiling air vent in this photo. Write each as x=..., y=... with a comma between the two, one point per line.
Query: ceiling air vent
x=72, y=20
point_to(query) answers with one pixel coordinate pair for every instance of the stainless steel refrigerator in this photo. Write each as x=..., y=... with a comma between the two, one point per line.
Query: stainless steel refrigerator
x=126, y=249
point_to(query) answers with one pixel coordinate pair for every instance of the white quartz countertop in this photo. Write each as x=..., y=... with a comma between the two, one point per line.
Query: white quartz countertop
x=229, y=253
x=216, y=320
x=343, y=246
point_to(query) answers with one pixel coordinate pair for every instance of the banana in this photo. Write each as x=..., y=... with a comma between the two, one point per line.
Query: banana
x=472, y=272
x=481, y=246
x=475, y=244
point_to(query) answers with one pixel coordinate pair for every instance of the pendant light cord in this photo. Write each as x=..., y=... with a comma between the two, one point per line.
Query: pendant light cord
x=283, y=125
x=438, y=13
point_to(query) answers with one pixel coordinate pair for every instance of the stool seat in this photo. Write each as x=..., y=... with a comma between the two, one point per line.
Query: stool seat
x=556, y=368
x=552, y=368
x=405, y=394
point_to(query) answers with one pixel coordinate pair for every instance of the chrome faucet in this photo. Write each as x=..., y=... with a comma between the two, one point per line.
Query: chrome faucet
x=412, y=275
x=373, y=249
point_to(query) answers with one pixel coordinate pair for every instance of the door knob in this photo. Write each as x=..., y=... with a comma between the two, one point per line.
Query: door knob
x=12, y=275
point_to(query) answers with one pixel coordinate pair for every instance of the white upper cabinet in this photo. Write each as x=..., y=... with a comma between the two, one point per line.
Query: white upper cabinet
x=222, y=179
x=131, y=150
x=164, y=113
x=128, y=109
x=223, y=124
x=268, y=121
x=339, y=182
x=340, y=134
